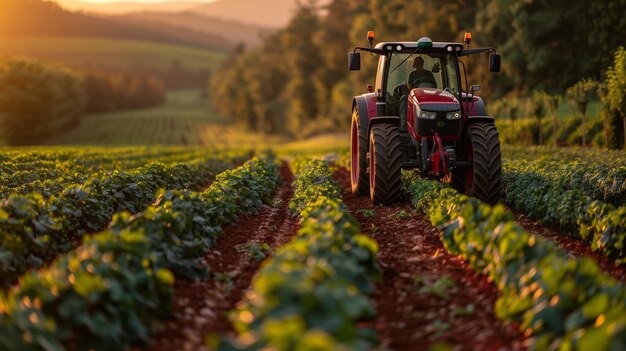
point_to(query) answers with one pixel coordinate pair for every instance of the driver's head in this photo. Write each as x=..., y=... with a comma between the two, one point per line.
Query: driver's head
x=418, y=63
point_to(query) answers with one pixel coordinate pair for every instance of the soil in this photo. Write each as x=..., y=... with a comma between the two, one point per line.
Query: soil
x=426, y=296
x=574, y=246
x=201, y=307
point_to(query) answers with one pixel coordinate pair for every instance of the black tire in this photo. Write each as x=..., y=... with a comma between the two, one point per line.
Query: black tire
x=358, y=151
x=386, y=157
x=484, y=179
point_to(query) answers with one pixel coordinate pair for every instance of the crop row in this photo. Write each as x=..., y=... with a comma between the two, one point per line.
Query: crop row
x=110, y=291
x=600, y=182
x=601, y=225
x=50, y=177
x=313, y=293
x=585, y=156
x=34, y=230
x=564, y=303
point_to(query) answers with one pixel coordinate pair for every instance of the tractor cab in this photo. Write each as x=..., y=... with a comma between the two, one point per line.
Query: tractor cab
x=419, y=99
x=439, y=71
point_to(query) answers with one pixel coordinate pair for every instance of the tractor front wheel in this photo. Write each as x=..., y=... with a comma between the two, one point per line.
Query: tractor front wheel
x=483, y=179
x=358, y=156
x=385, y=163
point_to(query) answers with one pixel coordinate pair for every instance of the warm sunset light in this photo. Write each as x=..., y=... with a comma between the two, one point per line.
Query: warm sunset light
x=273, y=175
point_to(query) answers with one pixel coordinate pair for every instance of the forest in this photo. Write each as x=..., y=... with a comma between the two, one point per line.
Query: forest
x=39, y=100
x=297, y=82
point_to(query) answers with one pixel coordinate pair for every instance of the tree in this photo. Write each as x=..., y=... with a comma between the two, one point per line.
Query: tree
x=38, y=100
x=553, y=102
x=540, y=40
x=616, y=86
x=303, y=61
x=580, y=94
x=538, y=110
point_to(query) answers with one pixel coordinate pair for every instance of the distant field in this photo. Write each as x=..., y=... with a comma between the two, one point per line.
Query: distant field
x=110, y=52
x=186, y=119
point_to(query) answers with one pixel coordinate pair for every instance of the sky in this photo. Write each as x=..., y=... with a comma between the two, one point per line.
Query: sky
x=141, y=1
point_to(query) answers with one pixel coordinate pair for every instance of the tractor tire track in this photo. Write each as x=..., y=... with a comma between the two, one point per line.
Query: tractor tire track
x=573, y=246
x=427, y=296
x=201, y=307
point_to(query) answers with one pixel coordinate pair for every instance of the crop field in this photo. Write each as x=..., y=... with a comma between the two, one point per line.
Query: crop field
x=110, y=52
x=190, y=248
x=185, y=119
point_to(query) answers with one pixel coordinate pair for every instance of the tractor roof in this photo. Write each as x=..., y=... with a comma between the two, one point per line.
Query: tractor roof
x=410, y=46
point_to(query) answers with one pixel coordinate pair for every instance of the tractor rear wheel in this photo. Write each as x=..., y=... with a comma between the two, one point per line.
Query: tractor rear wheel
x=358, y=156
x=483, y=179
x=385, y=165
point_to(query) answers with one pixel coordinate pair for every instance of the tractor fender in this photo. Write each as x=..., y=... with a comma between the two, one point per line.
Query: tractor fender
x=474, y=105
x=360, y=104
x=378, y=120
x=366, y=105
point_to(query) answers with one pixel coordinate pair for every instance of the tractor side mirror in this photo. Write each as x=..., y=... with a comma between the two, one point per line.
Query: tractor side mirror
x=354, y=61
x=474, y=88
x=494, y=62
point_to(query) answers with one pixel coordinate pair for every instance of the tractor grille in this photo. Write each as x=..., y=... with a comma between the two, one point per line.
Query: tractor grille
x=441, y=125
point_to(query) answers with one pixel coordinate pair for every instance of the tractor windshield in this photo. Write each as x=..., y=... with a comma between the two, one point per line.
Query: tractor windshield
x=439, y=70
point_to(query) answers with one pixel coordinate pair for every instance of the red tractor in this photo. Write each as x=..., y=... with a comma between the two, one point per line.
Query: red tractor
x=418, y=116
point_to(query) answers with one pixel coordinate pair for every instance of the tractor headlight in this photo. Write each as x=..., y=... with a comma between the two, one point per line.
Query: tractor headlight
x=453, y=115
x=426, y=115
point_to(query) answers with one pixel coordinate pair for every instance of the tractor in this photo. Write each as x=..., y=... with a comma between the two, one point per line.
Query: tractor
x=430, y=124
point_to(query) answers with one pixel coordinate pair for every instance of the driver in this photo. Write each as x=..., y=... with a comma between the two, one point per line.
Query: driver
x=419, y=75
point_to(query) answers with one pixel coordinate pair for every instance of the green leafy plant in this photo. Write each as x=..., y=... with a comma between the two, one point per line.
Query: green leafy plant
x=402, y=214
x=580, y=94
x=111, y=290
x=433, y=285
x=258, y=251
x=366, y=212
x=314, y=290
x=563, y=303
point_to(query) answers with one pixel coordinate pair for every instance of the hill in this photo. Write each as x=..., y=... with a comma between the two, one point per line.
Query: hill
x=194, y=23
x=112, y=53
x=49, y=19
x=266, y=13
x=122, y=7
x=270, y=13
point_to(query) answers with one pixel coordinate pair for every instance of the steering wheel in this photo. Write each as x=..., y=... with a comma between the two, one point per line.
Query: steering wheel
x=416, y=82
x=399, y=90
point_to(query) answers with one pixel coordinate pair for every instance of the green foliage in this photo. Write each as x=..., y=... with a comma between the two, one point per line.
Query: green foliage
x=104, y=295
x=563, y=303
x=313, y=293
x=111, y=290
x=561, y=194
x=616, y=82
x=33, y=230
x=297, y=83
x=616, y=86
x=581, y=93
x=109, y=92
x=314, y=180
x=38, y=100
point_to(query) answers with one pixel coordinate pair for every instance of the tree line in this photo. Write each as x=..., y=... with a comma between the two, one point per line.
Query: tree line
x=297, y=83
x=39, y=100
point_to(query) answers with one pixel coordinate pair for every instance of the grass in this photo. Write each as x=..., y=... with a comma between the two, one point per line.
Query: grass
x=185, y=119
x=111, y=52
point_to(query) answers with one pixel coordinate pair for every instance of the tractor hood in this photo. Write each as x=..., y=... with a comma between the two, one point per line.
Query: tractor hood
x=430, y=99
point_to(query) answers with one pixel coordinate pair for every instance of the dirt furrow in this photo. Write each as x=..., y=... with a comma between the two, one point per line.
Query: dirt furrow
x=201, y=307
x=426, y=296
x=574, y=246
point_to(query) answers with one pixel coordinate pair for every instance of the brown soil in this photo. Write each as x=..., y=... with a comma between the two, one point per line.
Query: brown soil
x=574, y=246
x=201, y=307
x=413, y=314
